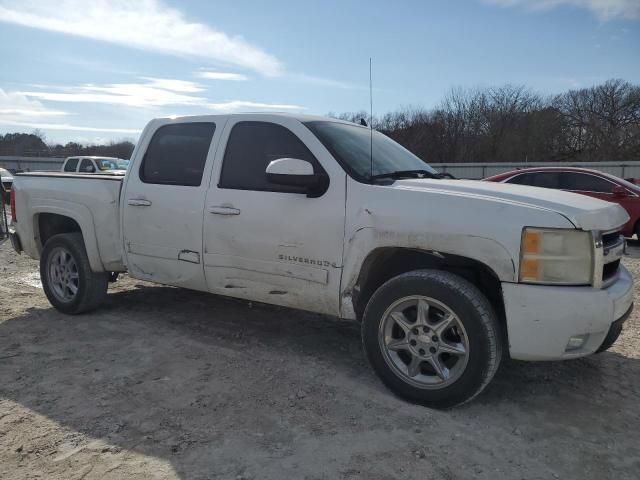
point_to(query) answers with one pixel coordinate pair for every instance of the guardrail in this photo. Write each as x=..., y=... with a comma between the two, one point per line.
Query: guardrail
x=27, y=164
x=458, y=170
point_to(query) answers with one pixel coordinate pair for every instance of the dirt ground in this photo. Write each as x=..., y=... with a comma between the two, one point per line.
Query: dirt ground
x=165, y=383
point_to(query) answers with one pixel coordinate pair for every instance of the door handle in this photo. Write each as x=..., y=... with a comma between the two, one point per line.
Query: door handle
x=223, y=210
x=139, y=202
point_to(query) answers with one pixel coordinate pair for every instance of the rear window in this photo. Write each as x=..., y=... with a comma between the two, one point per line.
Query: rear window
x=584, y=182
x=177, y=153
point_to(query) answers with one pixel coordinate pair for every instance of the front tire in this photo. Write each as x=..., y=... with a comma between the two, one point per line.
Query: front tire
x=67, y=279
x=432, y=337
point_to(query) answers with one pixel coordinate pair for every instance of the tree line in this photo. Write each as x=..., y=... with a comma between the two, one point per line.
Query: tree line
x=497, y=124
x=514, y=124
x=34, y=145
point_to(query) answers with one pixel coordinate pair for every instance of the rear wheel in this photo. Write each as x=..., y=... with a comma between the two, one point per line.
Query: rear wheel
x=432, y=337
x=67, y=279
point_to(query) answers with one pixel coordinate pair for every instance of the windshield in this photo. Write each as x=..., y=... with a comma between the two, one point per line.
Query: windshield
x=351, y=146
x=107, y=165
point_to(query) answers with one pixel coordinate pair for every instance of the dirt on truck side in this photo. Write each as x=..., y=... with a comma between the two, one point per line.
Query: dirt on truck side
x=165, y=383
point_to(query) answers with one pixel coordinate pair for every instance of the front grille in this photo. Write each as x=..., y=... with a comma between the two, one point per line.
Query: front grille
x=612, y=248
x=611, y=238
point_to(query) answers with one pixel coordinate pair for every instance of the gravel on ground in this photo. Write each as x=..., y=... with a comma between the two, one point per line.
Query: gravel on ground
x=163, y=383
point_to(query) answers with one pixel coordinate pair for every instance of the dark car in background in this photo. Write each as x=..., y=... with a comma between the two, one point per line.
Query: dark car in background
x=586, y=182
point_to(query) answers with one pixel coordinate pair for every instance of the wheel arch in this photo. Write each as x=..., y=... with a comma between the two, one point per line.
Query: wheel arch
x=384, y=263
x=53, y=220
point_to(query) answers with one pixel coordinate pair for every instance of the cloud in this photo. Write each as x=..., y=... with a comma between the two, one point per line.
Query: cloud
x=221, y=76
x=66, y=126
x=603, y=9
x=183, y=86
x=143, y=24
x=243, y=105
x=153, y=92
x=18, y=107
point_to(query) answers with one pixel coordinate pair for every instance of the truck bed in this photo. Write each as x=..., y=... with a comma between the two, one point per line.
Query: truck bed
x=91, y=199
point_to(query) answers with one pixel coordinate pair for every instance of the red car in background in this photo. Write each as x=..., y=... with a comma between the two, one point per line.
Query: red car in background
x=586, y=182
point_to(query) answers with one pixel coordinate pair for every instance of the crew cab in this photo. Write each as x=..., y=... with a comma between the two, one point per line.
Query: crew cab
x=92, y=164
x=445, y=276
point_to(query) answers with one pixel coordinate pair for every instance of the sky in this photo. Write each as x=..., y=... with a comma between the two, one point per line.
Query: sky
x=96, y=71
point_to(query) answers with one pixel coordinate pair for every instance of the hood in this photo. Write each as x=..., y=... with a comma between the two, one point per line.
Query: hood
x=584, y=212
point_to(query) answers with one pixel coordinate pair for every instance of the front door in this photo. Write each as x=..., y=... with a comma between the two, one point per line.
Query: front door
x=269, y=242
x=163, y=205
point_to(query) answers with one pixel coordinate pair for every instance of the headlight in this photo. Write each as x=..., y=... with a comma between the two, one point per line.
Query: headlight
x=556, y=256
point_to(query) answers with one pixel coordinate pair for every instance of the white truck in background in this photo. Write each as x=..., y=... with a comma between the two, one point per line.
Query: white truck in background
x=93, y=164
x=446, y=276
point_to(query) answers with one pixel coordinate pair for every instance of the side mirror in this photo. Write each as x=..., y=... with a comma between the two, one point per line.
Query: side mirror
x=619, y=191
x=297, y=173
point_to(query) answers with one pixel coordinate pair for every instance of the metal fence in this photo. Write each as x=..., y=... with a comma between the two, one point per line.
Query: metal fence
x=458, y=170
x=31, y=164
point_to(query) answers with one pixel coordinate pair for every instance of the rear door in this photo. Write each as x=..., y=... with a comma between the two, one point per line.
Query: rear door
x=163, y=204
x=268, y=242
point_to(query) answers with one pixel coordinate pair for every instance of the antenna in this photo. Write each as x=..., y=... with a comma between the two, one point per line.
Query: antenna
x=370, y=119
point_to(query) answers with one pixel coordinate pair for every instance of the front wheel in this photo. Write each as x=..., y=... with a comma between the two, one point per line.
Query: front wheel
x=432, y=337
x=67, y=279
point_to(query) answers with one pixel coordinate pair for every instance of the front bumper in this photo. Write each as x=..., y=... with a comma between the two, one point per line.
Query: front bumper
x=542, y=319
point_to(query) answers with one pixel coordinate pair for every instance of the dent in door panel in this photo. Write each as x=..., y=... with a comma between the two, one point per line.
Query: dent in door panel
x=311, y=274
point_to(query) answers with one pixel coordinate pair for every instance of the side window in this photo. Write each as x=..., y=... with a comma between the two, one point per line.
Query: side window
x=87, y=166
x=585, y=183
x=71, y=165
x=251, y=147
x=177, y=153
x=522, y=179
x=538, y=179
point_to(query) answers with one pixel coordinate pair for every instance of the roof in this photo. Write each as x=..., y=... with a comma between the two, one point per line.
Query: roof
x=556, y=167
x=298, y=116
x=94, y=157
x=559, y=168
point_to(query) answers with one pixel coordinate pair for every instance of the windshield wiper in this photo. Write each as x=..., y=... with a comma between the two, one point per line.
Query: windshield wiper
x=406, y=174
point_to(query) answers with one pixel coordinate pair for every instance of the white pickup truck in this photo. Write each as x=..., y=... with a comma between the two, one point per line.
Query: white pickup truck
x=445, y=276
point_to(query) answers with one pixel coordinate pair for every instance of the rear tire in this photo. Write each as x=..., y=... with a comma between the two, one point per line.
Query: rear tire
x=432, y=337
x=68, y=281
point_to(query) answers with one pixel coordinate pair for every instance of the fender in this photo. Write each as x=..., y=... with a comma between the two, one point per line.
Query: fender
x=365, y=240
x=82, y=216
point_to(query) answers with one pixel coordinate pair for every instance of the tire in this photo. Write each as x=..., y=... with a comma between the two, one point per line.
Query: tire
x=457, y=330
x=64, y=267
